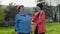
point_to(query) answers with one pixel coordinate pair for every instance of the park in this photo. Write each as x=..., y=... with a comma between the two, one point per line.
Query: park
x=51, y=9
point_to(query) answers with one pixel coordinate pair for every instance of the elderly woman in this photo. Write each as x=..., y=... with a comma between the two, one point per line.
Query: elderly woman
x=39, y=20
x=22, y=21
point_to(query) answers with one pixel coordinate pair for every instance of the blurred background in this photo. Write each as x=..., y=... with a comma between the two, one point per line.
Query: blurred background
x=8, y=12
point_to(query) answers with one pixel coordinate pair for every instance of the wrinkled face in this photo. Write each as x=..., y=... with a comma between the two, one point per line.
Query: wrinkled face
x=21, y=9
x=37, y=8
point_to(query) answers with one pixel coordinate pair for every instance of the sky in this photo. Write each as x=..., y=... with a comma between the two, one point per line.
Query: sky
x=53, y=2
x=27, y=3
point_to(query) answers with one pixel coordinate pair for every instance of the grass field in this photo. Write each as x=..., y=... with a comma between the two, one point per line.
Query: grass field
x=52, y=28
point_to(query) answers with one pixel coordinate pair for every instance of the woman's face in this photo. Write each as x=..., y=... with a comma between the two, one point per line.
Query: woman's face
x=21, y=9
x=38, y=8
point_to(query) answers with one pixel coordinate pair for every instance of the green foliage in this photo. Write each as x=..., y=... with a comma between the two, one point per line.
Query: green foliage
x=2, y=15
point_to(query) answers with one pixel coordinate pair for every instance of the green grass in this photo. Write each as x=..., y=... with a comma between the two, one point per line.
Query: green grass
x=5, y=30
x=52, y=28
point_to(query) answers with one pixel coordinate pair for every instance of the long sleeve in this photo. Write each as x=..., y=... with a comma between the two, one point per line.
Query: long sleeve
x=41, y=18
x=16, y=23
x=34, y=19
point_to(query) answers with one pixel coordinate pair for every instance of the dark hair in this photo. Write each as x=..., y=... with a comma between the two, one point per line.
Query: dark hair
x=40, y=5
x=18, y=8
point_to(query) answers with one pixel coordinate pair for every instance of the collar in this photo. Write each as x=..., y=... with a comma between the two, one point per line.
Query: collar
x=22, y=14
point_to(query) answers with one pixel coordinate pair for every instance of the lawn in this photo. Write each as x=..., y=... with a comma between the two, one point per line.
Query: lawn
x=52, y=28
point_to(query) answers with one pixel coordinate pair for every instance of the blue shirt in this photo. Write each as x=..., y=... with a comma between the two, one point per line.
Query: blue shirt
x=22, y=23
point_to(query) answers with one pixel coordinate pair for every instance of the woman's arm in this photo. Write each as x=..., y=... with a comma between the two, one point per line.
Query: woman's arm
x=16, y=23
x=34, y=18
x=41, y=18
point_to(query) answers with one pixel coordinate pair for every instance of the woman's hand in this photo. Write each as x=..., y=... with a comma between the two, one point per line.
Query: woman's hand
x=37, y=13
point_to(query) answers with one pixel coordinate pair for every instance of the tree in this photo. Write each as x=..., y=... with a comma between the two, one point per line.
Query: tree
x=2, y=15
x=39, y=0
x=10, y=11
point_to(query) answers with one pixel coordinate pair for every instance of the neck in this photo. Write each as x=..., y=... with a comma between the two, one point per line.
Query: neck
x=22, y=12
x=39, y=10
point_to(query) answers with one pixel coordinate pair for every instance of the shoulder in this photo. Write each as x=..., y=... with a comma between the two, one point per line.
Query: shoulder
x=27, y=14
x=17, y=15
x=42, y=12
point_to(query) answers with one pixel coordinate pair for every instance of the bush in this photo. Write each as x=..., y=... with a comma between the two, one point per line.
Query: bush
x=2, y=15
